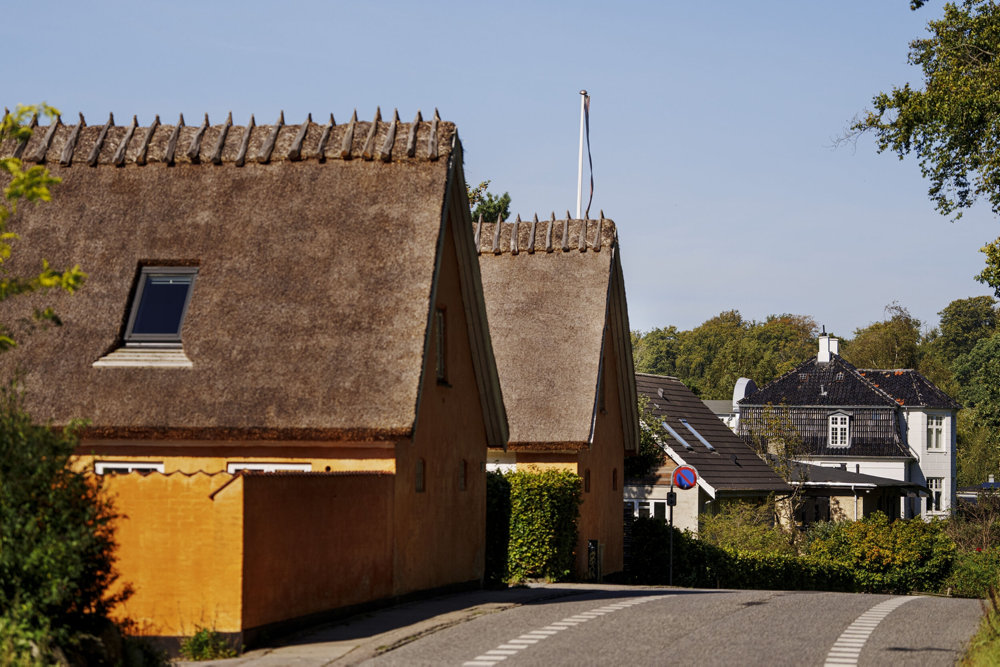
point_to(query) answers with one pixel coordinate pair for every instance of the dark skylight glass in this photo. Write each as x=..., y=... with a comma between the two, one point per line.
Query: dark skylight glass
x=160, y=304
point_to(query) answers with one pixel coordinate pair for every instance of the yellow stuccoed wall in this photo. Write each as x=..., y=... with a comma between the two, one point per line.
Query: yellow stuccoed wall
x=181, y=549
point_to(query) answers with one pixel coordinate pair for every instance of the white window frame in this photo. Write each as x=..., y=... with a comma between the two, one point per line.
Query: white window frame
x=935, y=433
x=839, y=430
x=119, y=467
x=236, y=467
x=934, y=501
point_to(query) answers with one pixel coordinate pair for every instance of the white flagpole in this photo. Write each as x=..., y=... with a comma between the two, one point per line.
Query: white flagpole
x=579, y=170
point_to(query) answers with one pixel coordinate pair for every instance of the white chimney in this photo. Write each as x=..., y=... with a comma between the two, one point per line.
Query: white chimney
x=824, y=350
x=834, y=346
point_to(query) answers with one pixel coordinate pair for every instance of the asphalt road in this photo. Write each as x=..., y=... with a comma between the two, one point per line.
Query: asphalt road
x=685, y=627
x=580, y=624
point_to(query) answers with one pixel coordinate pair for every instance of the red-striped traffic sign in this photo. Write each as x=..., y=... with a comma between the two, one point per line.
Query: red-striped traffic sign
x=685, y=477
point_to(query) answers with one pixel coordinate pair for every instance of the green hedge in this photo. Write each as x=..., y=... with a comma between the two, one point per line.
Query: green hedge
x=973, y=573
x=698, y=564
x=543, y=510
x=497, y=527
x=887, y=557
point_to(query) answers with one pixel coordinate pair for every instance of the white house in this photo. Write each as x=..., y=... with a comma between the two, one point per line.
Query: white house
x=886, y=423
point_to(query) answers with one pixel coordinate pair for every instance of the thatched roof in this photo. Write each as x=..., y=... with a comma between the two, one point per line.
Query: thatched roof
x=318, y=248
x=554, y=292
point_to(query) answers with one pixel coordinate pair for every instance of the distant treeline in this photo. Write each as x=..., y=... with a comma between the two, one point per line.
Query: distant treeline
x=961, y=356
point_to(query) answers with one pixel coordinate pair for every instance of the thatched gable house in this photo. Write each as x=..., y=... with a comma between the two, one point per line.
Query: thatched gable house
x=555, y=297
x=273, y=297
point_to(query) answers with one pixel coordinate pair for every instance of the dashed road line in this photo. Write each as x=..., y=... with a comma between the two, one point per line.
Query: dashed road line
x=847, y=648
x=515, y=646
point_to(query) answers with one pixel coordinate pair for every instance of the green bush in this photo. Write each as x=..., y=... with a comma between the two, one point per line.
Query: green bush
x=207, y=644
x=497, y=527
x=56, y=542
x=898, y=557
x=699, y=564
x=746, y=526
x=543, y=510
x=973, y=573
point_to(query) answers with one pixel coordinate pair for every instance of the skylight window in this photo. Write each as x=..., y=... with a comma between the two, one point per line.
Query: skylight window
x=161, y=301
x=700, y=437
x=677, y=436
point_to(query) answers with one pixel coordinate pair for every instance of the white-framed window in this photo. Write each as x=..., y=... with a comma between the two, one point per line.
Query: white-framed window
x=125, y=467
x=935, y=485
x=839, y=430
x=269, y=467
x=935, y=432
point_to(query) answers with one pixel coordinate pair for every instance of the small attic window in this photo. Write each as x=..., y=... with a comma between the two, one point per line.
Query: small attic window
x=161, y=301
x=839, y=377
x=803, y=377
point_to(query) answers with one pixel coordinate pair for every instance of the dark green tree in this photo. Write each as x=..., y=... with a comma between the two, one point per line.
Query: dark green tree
x=964, y=322
x=656, y=351
x=951, y=124
x=491, y=207
x=892, y=343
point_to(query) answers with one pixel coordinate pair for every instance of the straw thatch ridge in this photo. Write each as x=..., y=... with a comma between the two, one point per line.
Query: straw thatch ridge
x=309, y=316
x=83, y=145
x=550, y=314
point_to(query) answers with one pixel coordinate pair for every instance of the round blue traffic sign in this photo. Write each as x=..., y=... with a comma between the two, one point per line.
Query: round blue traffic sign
x=685, y=477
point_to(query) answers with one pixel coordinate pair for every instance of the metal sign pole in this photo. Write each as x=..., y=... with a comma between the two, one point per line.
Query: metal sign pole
x=670, y=580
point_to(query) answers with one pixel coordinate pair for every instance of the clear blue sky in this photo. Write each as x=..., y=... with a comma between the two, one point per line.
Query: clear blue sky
x=712, y=124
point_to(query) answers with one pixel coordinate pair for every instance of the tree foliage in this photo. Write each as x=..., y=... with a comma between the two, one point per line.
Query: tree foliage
x=650, y=456
x=892, y=343
x=26, y=185
x=711, y=357
x=964, y=322
x=952, y=125
x=56, y=542
x=484, y=203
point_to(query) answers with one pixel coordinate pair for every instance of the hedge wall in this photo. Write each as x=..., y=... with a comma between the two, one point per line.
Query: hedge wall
x=543, y=508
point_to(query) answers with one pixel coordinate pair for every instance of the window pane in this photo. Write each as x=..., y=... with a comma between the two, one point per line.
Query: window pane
x=660, y=510
x=162, y=305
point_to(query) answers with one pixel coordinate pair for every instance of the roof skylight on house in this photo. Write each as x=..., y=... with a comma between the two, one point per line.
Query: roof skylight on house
x=676, y=436
x=161, y=301
x=700, y=437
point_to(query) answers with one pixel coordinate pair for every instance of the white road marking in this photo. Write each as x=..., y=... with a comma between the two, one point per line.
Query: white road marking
x=847, y=648
x=514, y=646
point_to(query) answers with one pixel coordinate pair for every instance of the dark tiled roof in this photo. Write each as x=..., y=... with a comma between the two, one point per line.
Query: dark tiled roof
x=823, y=475
x=733, y=466
x=836, y=384
x=910, y=388
x=874, y=431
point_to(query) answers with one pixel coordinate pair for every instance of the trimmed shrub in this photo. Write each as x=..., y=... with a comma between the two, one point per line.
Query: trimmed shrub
x=699, y=564
x=543, y=510
x=898, y=557
x=973, y=573
x=497, y=527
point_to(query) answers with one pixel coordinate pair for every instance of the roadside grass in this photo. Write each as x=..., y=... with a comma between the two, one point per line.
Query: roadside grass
x=984, y=647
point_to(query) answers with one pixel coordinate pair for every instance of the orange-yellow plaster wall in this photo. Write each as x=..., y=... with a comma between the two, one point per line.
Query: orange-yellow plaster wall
x=180, y=550
x=601, y=513
x=314, y=543
x=441, y=531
